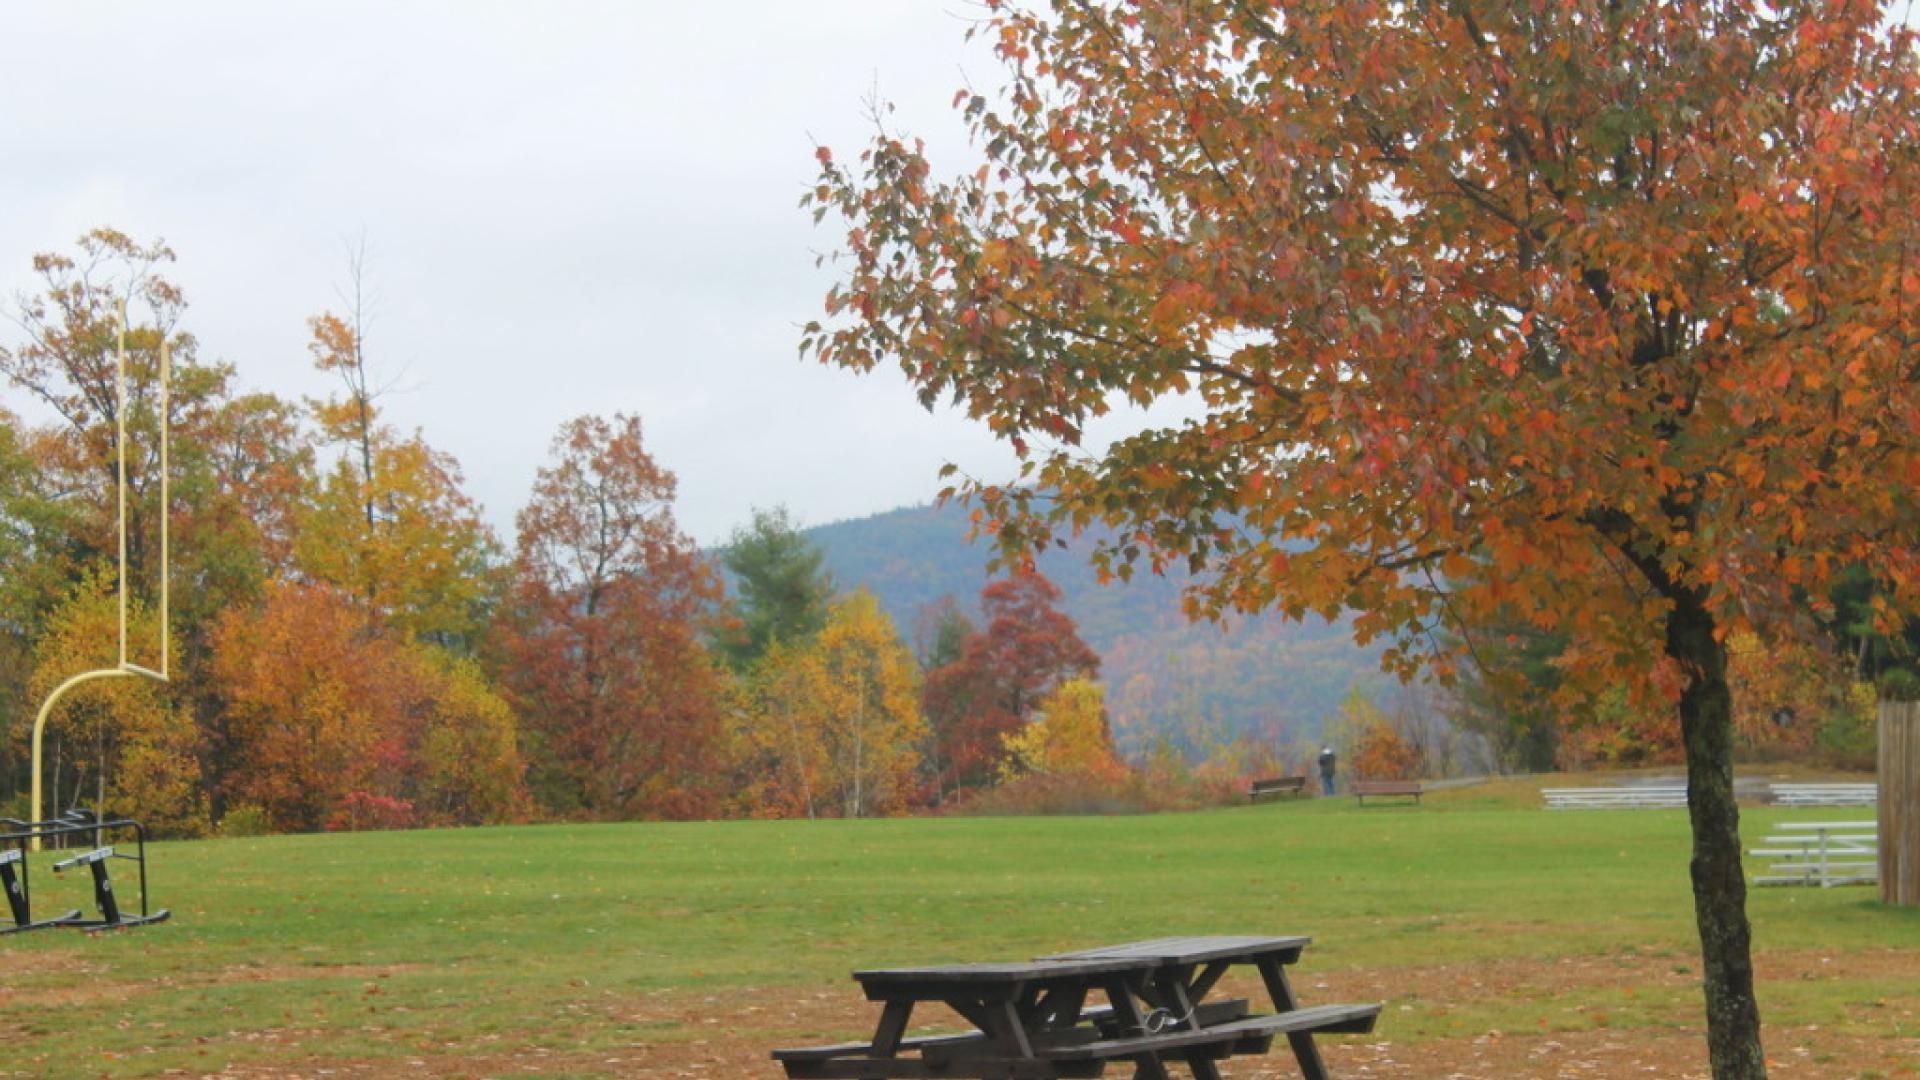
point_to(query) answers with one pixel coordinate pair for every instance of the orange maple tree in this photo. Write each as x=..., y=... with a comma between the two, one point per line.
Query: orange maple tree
x=320, y=713
x=1600, y=313
x=1381, y=754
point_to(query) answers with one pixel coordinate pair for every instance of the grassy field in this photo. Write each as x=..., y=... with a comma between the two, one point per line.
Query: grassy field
x=690, y=949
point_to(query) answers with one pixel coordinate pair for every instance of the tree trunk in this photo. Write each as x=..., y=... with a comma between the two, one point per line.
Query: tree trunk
x=1719, y=883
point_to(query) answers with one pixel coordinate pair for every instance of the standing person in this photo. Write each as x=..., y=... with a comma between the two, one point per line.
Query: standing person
x=1327, y=760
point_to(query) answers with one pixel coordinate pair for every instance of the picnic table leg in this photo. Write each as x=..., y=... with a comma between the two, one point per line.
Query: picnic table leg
x=1058, y=1009
x=1210, y=976
x=1007, y=1030
x=893, y=1025
x=1173, y=997
x=1304, y=1050
x=1120, y=992
x=1203, y=1067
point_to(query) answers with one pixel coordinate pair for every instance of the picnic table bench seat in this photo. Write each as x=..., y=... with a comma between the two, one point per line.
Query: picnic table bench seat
x=855, y=1049
x=1104, y=1024
x=1246, y=1036
x=1073, y=1053
x=1379, y=788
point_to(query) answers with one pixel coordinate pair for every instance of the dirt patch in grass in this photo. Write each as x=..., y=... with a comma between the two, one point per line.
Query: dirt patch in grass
x=729, y=1035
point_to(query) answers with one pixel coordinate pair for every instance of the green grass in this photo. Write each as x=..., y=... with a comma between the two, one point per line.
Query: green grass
x=388, y=945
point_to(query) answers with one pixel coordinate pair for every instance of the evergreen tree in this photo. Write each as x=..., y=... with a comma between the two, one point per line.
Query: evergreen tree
x=783, y=591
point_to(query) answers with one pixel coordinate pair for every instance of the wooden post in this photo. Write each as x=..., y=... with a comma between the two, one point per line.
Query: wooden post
x=1900, y=803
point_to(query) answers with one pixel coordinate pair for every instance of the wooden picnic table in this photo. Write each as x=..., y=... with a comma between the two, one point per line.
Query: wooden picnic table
x=1034, y=1020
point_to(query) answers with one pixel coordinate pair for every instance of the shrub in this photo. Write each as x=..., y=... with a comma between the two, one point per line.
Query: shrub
x=1134, y=792
x=1899, y=684
x=245, y=819
x=363, y=810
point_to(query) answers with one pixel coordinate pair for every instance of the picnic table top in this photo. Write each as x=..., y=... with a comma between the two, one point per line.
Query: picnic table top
x=991, y=972
x=1189, y=950
x=1090, y=963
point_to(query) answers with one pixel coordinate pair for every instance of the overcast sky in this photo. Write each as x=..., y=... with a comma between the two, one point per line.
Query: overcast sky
x=569, y=207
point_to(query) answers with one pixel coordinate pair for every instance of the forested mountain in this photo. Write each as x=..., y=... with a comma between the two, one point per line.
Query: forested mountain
x=1199, y=685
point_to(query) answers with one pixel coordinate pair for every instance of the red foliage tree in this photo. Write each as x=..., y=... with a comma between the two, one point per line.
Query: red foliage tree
x=1029, y=647
x=600, y=645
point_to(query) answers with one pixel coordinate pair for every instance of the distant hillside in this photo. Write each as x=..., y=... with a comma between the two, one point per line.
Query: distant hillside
x=1195, y=683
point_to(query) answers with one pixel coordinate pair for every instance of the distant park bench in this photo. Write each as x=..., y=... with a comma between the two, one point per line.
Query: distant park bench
x=1289, y=785
x=1823, y=853
x=1825, y=794
x=1386, y=788
x=1649, y=797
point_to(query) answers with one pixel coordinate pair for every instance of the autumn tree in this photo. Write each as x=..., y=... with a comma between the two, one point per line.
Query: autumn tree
x=389, y=522
x=780, y=758
x=1602, y=314
x=940, y=632
x=31, y=577
x=1069, y=736
x=600, y=644
x=239, y=462
x=1783, y=691
x=320, y=710
x=124, y=746
x=783, y=592
x=65, y=359
x=351, y=419
x=304, y=694
x=467, y=768
x=1383, y=755
x=867, y=693
x=1028, y=648
x=422, y=562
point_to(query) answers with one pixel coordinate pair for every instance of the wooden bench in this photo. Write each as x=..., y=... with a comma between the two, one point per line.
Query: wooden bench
x=1823, y=853
x=1386, y=788
x=1289, y=785
x=1825, y=794
x=1645, y=797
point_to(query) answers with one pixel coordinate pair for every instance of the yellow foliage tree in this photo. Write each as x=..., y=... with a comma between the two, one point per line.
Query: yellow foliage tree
x=781, y=756
x=470, y=765
x=1783, y=691
x=417, y=557
x=124, y=744
x=1071, y=736
x=389, y=524
x=866, y=697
